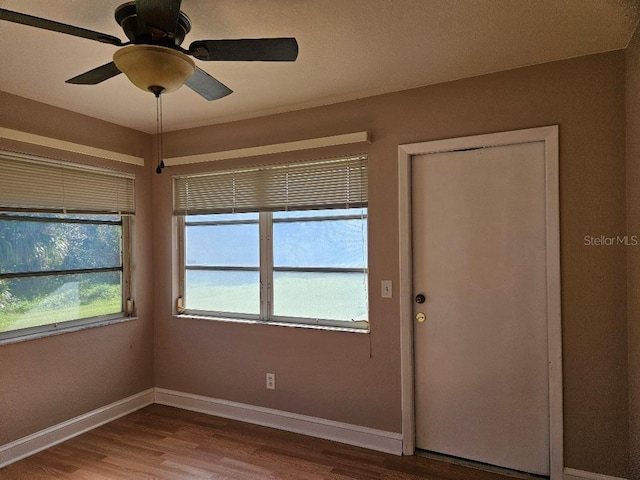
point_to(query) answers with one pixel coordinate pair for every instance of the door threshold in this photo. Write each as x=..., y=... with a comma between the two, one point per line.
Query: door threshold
x=479, y=466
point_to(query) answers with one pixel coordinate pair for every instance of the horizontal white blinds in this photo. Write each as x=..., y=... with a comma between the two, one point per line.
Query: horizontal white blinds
x=337, y=183
x=36, y=184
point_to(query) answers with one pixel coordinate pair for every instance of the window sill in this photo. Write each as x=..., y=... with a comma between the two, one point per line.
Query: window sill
x=59, y=331
x=273, y=323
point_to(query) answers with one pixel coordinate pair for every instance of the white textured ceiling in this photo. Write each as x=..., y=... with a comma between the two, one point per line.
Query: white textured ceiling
x=348, y=49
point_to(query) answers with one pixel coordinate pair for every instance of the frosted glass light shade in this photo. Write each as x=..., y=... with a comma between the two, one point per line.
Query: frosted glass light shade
x=149, y=66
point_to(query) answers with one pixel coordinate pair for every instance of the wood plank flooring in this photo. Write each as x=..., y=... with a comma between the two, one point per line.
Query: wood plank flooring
x=160, y=442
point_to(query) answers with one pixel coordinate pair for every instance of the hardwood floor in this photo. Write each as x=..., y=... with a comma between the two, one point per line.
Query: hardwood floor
x=160, y=442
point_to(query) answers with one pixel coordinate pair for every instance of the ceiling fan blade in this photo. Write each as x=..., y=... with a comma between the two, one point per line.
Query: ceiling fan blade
x=158, y=14
x=205, y=85
x=45, y=24
x=254, y=49
x=95, y=76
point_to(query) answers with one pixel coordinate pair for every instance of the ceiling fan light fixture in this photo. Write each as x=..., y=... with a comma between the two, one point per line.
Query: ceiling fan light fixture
x=152, y=66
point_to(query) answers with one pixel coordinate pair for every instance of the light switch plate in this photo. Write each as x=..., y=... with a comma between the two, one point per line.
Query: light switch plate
x=387, y=289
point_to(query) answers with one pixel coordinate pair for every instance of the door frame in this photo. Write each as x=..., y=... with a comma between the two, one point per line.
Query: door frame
x=548, y=135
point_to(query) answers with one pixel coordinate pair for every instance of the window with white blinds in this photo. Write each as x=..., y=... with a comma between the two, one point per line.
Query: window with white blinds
x=37, y=184
x=279, y=244
x=336, y=183
x=64, y=245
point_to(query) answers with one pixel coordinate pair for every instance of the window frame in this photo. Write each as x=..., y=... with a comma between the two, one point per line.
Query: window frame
x=183, y=267
x=266, y=271
x=76, y=324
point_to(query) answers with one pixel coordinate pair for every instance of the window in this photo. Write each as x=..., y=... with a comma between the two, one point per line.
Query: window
x=57, y=268
x=63, y=245
x=320, y=264
x=301, y=261
x=222, y=267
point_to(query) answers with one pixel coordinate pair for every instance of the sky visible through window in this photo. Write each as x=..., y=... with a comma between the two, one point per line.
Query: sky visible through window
x=310, y=242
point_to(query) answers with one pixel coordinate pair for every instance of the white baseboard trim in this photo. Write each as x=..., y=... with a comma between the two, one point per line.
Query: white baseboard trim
x=380, y=440
x=573, y=474
x=34, y=443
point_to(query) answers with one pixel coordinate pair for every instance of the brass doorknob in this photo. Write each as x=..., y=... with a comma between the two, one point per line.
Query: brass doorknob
x=420, y=317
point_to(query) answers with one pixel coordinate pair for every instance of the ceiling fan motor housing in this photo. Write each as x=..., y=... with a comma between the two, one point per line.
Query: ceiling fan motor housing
x=137, y=33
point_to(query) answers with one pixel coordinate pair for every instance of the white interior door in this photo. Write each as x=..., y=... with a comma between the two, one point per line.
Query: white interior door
x=479, y=258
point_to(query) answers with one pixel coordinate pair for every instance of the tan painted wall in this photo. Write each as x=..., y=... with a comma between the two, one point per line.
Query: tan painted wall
x=47, y=381
x=343, y=377
x=633, y=254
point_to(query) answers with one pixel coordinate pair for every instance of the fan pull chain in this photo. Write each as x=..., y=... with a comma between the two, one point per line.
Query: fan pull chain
x=160, y=166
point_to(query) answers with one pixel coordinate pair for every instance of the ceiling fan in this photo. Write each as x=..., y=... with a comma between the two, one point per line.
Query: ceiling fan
x=153, y=59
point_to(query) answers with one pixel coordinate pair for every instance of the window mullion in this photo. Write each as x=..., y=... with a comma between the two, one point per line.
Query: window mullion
x=266, y=266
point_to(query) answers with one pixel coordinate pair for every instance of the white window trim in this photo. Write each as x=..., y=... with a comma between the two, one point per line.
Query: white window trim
x=311, y=326
x=35, y=333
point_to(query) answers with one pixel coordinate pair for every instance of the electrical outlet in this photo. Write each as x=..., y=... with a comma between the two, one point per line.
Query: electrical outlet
x=271, y=381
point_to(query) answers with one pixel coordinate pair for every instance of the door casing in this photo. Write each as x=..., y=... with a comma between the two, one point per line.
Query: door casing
x=548, y=135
